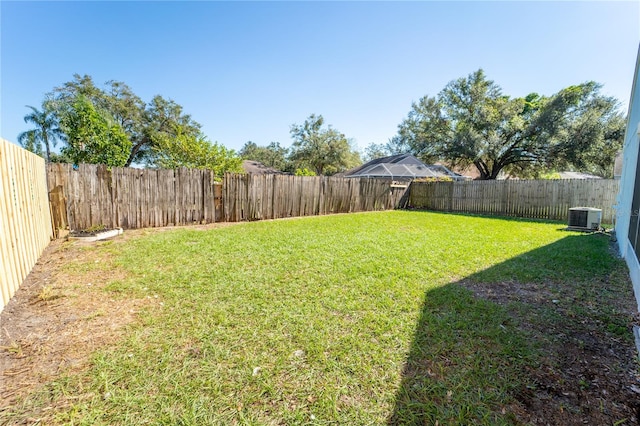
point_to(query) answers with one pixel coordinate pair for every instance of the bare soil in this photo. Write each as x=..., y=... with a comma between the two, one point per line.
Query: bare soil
x=60, y=316
x=56, y=320
x=589, y=376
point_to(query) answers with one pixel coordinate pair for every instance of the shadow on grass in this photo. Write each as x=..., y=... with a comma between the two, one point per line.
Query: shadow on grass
x=487, y=216
x=492, y=348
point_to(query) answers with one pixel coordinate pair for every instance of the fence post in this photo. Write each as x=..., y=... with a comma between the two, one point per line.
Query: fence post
x=450, y=196
x=58, y=205
x=505, y=198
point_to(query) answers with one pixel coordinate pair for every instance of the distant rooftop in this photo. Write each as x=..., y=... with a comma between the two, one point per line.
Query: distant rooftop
x=577, y=175
x=257, y=168
x=400, y=167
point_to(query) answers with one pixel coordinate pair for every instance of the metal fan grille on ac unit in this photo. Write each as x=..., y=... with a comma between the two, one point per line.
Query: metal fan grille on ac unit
x=585, y=218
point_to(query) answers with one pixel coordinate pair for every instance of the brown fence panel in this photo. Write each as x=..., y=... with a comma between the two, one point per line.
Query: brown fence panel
x=93, y=195
x=135, y=198
x=256, y=197
x=537, y=199
x=25, y=219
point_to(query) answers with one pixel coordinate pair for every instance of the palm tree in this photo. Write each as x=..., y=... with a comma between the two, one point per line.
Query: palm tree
x=30, y=142
x=46, y=130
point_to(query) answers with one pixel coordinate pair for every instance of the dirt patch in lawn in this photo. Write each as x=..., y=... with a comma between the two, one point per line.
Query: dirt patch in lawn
x=61, y=314
x=589, y=373
x=57, y=319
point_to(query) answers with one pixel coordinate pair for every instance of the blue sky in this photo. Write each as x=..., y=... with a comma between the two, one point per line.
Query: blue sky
x=249, y=70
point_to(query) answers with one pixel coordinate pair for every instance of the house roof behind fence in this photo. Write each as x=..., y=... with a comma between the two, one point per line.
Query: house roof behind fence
x=402, y=166
x=255, y=167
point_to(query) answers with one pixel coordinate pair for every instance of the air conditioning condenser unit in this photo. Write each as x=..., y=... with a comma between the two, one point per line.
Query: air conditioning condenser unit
x=585, y=218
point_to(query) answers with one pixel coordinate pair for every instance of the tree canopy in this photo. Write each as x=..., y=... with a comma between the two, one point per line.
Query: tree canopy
x=316, y=150
x=113, y=126
x=194, y=152
x=322, y=149
x=143, y=123
x=272, y=155
x=471, y=122
x=46, y=131
x=374, y=151
x=91, y=137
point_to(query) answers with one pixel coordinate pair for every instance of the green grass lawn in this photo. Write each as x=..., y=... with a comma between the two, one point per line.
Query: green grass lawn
x=348, y=319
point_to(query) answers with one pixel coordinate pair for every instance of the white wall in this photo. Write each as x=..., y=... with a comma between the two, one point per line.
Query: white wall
x=627, y=182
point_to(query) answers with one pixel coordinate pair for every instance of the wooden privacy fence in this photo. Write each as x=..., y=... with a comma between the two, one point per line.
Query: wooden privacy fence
x=537, y=199
x=256, y=197
x=25, y=220
x=92, y=195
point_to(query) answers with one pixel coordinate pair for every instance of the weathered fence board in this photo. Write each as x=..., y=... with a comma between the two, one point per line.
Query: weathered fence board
x=25, y=219
x=93, y=195
x=135, y=198
x=256, y=197
x=536, y=199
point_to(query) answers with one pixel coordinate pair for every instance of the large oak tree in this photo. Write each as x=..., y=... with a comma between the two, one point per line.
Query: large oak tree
x=471, y=122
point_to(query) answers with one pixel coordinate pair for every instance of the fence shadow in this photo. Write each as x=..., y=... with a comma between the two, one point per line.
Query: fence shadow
x=476, y=335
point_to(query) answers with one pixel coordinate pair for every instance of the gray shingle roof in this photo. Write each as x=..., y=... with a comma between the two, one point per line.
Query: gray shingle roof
x=402, y=166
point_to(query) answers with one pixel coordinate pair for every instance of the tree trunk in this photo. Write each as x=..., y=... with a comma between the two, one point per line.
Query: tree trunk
x=134, y=151
x=495, y=172
x=47, y=148
x=483, y=169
